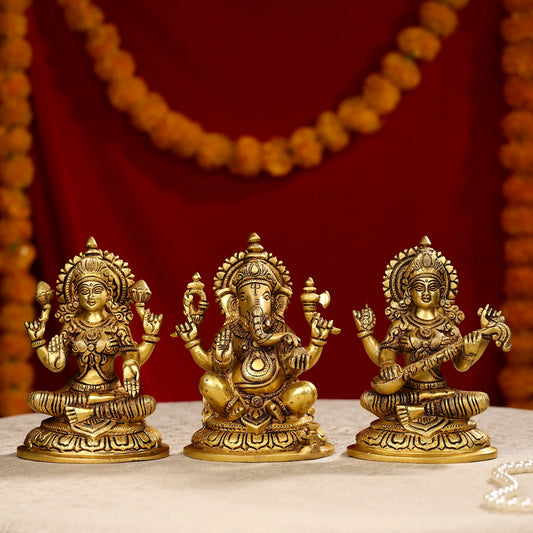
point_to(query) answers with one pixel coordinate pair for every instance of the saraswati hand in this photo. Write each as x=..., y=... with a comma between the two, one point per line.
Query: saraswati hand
x=37, y=328
x=365, y=320
x=132, y=375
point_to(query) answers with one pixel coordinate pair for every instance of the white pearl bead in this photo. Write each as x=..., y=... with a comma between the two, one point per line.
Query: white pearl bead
x=504, y=499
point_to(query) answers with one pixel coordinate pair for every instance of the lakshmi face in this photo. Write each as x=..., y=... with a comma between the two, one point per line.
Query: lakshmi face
x=92, y=295
x=425, y=292
x=254, y=295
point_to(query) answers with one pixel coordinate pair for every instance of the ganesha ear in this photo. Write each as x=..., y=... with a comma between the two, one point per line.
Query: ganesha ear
x=280, y=304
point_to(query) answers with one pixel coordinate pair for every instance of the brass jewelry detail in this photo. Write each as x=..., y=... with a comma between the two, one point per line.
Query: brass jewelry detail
x=94, y=418
x=255, y=407
x=420, y=418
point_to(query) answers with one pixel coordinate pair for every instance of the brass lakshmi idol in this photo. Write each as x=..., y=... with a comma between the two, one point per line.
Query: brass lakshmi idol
x=94, y=419
x=255, y=408
x=421, y=418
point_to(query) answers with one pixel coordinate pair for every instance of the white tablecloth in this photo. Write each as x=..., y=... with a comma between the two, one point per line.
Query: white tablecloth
x=336, y=493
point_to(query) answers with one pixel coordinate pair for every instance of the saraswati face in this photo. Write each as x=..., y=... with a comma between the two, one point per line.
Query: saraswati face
x=92, y=296
x=254, y=295
x=425, y=293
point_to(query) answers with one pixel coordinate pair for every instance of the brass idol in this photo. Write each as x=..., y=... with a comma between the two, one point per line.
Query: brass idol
x=422, y=419
x=94, y=419
x=255, y=407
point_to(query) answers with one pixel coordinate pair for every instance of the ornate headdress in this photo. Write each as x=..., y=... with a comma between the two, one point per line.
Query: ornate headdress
x=246, y=267
x=94, y=265
x=412, y=263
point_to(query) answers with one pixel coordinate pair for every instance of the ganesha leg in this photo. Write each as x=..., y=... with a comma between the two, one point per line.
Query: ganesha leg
x=131, y=409
x=54, y=403
x=216, y=391
x=385, y=404
x=299, y=397
x=459, y=405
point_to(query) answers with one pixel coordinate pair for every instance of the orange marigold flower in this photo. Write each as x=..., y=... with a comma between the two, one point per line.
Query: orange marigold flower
x=17, y=171
x=380, y=94
x=516, y=381
x=517, y=220
x=15, y=85
x=125, y=93
x=15, y=5
x=103, y=40
x=83, y=16
x=519, y=282
x=401, y=70
x=14, y=203
x=14, y=402
x=438, y=18
x=17, y=347
x=518, y=5
x=519, y=250
x=518, y=313
x=306, y=149
x=15, y=54
x=18, y=287
x=247, y=157
x=518, y=125
x=517, y=156
x=277, y=160
x=516, y=28
x=18, y=256
x=189, y=136
x=13, y=24
x=15, y=141
x=147, y=113
x=115, y=66
x=457, y=4
x=16, y=375
x=16, y=113
x=355, y=115
x=331, y=131
x=518, y=189
x=165, y=130
x=13, y=230
x=419, y=43
x=13, y=316
x=518, y=92
x=517, y=59
x=215, y=151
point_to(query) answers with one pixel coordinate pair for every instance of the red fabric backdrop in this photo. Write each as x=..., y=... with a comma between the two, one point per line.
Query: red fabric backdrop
x=265, y=68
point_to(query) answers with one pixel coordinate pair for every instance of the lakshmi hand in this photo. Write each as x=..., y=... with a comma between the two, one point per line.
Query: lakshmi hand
x=132, y=375
x=187, y=331
x=320, y=327
x=151, y=322
x=37, y=328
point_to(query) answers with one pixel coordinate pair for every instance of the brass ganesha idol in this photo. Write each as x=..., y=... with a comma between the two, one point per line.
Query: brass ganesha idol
x=94, y=418
x=255, y=407
x=420, y=418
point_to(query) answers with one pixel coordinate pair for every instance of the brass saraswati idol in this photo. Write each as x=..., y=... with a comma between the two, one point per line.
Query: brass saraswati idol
x=255, y=407
x=422, y=419
x=94, y=419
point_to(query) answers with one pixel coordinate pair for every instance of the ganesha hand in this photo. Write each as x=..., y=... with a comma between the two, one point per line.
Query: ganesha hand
x=187, y=331
x=224, y=350
x=132, y=375
x=320, y=328
x=151, y=322
x=300, y=359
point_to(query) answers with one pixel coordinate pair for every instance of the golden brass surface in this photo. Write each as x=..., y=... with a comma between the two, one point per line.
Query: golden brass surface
x=422, y=419
x=93, y=418
x=255, y=407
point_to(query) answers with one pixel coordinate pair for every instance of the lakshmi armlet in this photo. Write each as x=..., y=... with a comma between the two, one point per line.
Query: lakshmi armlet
x=94, y=418
x=256, y=409
x=421, y=419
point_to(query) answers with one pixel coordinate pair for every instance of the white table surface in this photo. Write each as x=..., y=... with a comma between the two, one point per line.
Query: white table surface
x=337, y=493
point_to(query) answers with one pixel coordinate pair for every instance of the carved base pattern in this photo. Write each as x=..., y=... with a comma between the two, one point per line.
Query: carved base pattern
x=220, y=440
x=101, y=441
x=433, y=440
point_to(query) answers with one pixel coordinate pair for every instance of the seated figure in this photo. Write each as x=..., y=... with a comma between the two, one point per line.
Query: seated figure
x=94, y=417
x=421, y=418
x=255, y=407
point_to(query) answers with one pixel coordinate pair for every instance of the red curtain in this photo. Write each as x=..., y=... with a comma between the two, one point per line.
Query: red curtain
x=266, y=68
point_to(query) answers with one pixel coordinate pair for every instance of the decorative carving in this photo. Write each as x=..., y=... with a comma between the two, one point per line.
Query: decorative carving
x=255, y=407
x=93, y=417
x=421, y=418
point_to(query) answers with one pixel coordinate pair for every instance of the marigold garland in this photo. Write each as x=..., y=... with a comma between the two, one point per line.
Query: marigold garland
x=516, y=378
x=17, y=253
x=247, y=156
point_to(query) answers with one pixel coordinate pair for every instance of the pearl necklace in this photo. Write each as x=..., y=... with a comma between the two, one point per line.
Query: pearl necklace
x=504, y=499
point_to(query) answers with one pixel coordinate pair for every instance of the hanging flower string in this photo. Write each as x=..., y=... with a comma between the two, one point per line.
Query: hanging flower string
x=247, y=156
x=516, y=155
x=17, y=253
